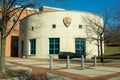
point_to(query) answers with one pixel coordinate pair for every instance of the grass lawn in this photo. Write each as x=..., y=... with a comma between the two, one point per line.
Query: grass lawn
x=112, y=52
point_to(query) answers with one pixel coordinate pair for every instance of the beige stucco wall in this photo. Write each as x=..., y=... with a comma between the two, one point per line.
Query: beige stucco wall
x=42, y=23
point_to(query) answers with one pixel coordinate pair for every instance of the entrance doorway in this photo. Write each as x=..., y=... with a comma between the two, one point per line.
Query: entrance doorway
x=14, y=46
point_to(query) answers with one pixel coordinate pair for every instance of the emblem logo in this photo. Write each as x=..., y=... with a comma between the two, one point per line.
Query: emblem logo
x=67, y=21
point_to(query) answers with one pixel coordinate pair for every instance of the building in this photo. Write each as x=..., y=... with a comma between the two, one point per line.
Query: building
x=12, y=39
x=52, y=30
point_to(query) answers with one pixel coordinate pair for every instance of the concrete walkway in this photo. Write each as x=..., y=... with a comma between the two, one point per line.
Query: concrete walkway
x=61, y=67
x=93, y=71
x=16, y=67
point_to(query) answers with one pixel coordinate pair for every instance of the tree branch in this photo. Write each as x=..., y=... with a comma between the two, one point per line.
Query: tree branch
x=10, y=4
x=7, y=33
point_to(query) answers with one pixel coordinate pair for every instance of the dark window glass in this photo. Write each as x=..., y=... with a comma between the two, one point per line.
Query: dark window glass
x=15, y=44
x=80, y=44
x=53, y=26
x=32, y=28
x=80, y=26
x=32, y=46
x=22, y=47
x=13, y=20
x=54, y=45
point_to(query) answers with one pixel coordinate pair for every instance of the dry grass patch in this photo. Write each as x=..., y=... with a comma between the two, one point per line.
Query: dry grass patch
x=12, y=73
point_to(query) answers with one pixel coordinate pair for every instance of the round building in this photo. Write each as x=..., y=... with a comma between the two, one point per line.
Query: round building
x=49, y=32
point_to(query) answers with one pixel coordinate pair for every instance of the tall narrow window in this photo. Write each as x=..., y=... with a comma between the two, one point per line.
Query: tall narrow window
x=54, y=45
x=80, y=44
x=32, y=46
x=22, y=47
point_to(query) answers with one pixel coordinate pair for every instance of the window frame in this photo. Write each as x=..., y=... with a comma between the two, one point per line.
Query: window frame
x=80, y=46
x=54, y=46
x=32, y=46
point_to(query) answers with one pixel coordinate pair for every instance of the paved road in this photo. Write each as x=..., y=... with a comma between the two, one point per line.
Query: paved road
x=110, y=70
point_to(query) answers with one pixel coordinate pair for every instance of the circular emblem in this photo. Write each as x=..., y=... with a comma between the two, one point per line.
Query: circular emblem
x=67, y=21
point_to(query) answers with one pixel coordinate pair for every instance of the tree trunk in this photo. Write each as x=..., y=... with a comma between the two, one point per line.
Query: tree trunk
x=2, y=54
x=101, y=48
x=98, y=50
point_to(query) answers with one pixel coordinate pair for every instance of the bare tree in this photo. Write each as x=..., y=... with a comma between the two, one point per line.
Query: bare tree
x=8, y=9
x=95, y=31
x=116, y=25
x=112, y=31
x=108, y=31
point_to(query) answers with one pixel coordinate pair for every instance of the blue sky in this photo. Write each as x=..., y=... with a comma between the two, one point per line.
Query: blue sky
x=95, y=6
